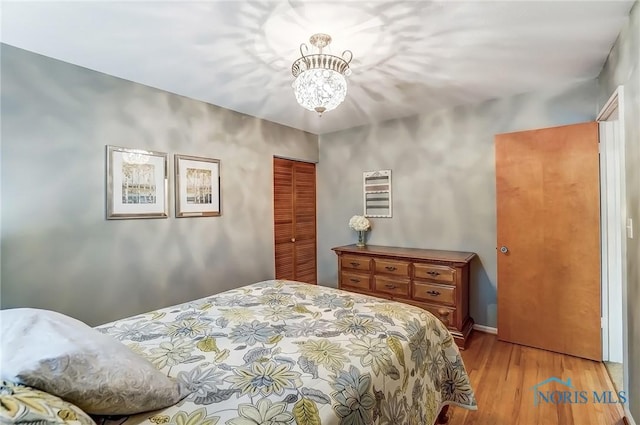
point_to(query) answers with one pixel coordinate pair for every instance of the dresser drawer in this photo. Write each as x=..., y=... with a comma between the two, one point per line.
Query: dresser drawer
x=434, y=293
x=392, y=267
x=434, y=272
x=447, y=315
x=389, y=285
x=355, y=262
x=355, y=280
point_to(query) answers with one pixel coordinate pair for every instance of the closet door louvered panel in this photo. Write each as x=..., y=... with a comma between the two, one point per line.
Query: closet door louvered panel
x=283, y=218
x=304, y=184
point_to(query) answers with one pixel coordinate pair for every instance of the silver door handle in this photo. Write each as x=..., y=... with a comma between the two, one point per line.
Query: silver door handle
x=504, y=249
x=293, y=239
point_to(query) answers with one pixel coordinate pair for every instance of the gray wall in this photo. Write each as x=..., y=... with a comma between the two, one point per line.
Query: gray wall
x=623, y=67
x=59, y=252
x=443, y=176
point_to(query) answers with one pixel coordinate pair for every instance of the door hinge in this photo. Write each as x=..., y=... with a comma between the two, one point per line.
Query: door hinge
x=603, y=322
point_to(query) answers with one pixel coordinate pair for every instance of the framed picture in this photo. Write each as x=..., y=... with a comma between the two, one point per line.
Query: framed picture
x=197, y=186
x=136, y=184
x=377, y=193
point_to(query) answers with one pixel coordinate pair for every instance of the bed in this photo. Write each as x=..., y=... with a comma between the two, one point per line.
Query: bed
x=281, y=352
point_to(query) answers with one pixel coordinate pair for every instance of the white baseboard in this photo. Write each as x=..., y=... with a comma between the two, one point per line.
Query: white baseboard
x=485, y=329
x=627, y=413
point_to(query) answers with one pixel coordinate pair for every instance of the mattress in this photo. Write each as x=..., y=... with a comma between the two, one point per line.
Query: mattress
x=281, y=352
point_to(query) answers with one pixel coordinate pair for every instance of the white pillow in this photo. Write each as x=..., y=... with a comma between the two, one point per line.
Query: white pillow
x=65, y=357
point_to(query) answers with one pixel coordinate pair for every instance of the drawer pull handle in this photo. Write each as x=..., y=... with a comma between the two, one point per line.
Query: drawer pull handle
x=354, y=264
x=390, y=286
x=433, y=273
x=354, y=280
x=433, y=293
x=390, y=268
x=443, y=315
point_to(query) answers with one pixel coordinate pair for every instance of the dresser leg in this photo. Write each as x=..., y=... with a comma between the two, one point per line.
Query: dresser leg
x=462, y=337
x=443, y=418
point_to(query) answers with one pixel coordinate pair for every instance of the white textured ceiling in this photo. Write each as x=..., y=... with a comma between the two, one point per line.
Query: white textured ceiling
x=409, y=56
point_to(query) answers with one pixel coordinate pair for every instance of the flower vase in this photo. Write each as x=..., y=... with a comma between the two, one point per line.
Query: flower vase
x=361, y=238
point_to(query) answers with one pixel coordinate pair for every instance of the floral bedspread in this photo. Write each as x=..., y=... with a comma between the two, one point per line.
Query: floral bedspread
x=281, y=352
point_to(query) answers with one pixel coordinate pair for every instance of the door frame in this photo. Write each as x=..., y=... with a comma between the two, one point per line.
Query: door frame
x=613, y=231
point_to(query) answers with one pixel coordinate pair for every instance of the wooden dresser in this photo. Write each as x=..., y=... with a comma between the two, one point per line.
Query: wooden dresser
x=437, y=281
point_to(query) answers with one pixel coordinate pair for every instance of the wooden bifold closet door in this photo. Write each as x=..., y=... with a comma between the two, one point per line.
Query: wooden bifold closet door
x=294, y=211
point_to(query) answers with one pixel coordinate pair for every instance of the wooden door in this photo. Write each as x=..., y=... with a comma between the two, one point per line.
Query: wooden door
x=548, y=222
x=294, y=207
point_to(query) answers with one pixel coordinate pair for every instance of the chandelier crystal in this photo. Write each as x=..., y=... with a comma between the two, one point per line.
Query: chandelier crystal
x=320, y=83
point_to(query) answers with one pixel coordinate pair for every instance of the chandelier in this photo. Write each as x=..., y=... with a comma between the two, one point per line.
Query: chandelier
x=320, y=84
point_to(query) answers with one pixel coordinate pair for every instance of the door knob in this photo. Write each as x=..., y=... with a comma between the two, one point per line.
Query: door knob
x=293, y=239
x=504, y=249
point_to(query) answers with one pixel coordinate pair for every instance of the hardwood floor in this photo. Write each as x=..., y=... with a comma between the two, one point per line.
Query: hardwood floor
x=503, y=374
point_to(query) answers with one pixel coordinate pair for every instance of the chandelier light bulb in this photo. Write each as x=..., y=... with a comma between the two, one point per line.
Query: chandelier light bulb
x=320, y=83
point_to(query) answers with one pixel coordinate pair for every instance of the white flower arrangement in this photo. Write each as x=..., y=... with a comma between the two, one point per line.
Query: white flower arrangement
x=359, y=223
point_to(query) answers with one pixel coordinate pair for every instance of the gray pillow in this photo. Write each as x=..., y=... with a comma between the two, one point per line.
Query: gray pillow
x=65, y=357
